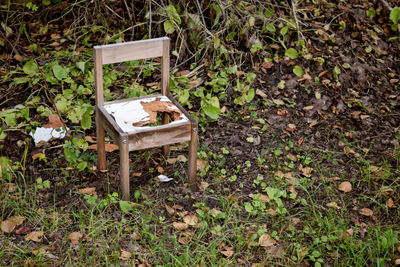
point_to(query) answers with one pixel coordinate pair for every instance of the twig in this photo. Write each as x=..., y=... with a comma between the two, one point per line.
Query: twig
x=150, y=19
x=295, y=19
x=386, y=4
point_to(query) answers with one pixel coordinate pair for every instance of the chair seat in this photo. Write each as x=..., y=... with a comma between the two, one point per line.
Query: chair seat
x=135, y=115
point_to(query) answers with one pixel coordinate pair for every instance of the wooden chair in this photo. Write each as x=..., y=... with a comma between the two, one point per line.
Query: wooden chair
x=124, y=119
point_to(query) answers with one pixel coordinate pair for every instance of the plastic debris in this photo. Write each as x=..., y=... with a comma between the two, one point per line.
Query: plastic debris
x=45, y=134
x=164, y=178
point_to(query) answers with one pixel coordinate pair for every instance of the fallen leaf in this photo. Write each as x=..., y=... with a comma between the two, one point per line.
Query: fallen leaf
x=215, y=212
x=266, y=240
x=88, y=191
x=39, y=156
x=54, y=122
x=183, y=73
x=180, y=226
x=172, y=160
x=89, y=139
x=295, y=220
x=390, y=203
x=74, y=237
x=9, y=225
x=333, y=205
x=160, y=169
x=108, y=147
x=345, y=187
x=282, y=112
x=349, y=232
x=191, y=219
x=135, y=236
x=261, y=93
x=23, y=230
x=201, y=165
x=169, y=209
x=125, y=255
x=306, y=171
x=34, y=236
x=184, y=240
x=291, y=128
x=228, y=252
x=181, y=158
x=366, y=212
x=203, y=185
x=397, y=262
x=307, y=108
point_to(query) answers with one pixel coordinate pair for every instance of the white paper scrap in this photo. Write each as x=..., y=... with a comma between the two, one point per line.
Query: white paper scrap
x=164, y=178
x=45, y=134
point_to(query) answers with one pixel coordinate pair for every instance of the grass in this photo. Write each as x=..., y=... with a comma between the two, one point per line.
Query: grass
x=305, y=229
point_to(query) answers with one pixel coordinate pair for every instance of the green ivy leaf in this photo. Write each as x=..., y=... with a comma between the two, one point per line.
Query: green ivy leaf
x=86, y=121
x=298, y=71
x=81, y=65
x=169, y=27
x=82, y=165
x=174, y=14
x=250, y=95
x=59, y=72
x=212, y=111
x=395, y=15
x=271, y=28
x=248, y=207
x=292, y=53
x=30, y=68
x=125, y=206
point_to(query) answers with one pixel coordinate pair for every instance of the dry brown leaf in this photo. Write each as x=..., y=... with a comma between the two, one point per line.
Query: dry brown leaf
x=172, y=160
x=295, y=220
x=266, y=240
x=183, y=73
x=38, y=155
x=306, y=171
x=262, y=94
x=23, y=230
x=54, y=122
x=191, y=219
x=108, y=147
x=397, y=262
x=333, y=205
x=160, y=169
x=184, y=240
x=34, y=236
x=88, y=191
x=203, y=185
x=228, y=252
x=345, y=187
x=135, y=236
x=180, y=226
x=291, y=128
x=390, y=204
x=125, y=255
x=308, y=108
x=74, y=237
x=181, y=158
x=169, y=209
x=177, y=207
x=9, y=225
x=201, y=165
x=89, y=139
x=366, y=212
x=215, y=212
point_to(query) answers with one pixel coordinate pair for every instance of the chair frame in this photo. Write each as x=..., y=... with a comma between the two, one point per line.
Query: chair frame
x=147, y=137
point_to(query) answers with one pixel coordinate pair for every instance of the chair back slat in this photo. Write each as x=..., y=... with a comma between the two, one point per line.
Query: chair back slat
x=135, y=50
x=116, y=53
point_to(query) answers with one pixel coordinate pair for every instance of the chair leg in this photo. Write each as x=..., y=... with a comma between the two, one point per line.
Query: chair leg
x=101, y=152
x=165, y=149
x=193, y=159
x=124, y=167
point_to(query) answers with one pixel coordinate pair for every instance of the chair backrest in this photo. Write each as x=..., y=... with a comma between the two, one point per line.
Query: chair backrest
x=122, y=52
